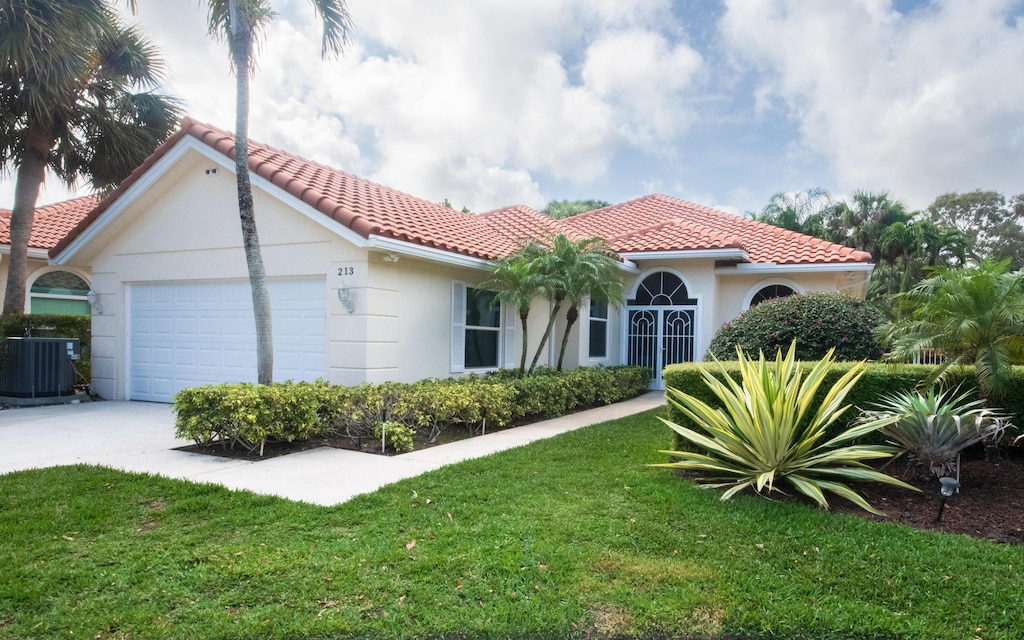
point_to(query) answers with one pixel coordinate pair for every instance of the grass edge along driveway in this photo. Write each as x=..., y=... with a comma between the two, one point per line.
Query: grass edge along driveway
x=567, y=537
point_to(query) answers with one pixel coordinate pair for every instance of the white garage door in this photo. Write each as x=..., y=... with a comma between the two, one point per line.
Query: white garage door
x=186, y=334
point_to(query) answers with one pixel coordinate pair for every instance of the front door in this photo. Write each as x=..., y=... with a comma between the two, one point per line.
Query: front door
x=660, y=324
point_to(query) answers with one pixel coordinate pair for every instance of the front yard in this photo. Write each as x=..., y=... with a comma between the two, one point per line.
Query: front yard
x=569, y=537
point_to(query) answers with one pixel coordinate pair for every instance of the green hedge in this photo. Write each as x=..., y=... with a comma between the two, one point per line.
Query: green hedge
x=250, y=415
x=878, y=380
x=39, y=325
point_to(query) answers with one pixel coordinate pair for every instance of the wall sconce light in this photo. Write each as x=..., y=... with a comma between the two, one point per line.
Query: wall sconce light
x=345, y=298
x=391, y=257
x=94, y=304
x=949, y=486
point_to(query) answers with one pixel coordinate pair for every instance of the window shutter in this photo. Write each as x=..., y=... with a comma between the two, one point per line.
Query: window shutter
x=510, y=319
x=458, y=355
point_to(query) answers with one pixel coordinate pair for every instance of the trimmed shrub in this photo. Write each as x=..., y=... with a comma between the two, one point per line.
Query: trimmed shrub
x=817, y=321
x=249, y=415
x=396, y=436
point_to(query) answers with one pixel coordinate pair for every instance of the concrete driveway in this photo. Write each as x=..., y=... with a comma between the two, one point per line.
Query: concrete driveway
x=139, y=436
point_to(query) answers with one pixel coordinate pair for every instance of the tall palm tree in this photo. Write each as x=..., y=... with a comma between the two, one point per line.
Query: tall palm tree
x=72, y=99
x=517, y=280
x=570, y=269
x=593, y=273
x=974, y=315
x=240, y=22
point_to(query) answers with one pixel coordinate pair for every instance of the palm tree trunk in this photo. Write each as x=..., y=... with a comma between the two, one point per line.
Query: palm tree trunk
x=526, y=343
x=26, y=193
x=547, y=334
x=242, y=34
x=571, y=316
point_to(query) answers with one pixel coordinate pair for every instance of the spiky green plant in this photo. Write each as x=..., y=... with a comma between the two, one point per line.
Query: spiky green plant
x=932, y=429
x=771, y=429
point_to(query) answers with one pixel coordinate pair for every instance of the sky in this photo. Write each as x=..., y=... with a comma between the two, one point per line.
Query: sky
x=491, y=103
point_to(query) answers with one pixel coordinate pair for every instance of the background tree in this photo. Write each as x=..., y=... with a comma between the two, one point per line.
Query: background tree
x=973, y=315
x=240, y=22
x=72, y=99
x=992, y=227
x=805, y=212
x=559, y=209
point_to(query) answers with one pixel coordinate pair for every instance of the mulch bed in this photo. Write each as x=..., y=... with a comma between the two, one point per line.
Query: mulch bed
x=367, y=445
x=990, y=504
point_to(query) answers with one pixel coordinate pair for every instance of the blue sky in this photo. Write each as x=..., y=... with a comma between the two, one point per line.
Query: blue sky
x=498, y=102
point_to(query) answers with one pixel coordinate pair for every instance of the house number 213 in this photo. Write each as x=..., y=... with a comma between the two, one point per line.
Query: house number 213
x=346, y=271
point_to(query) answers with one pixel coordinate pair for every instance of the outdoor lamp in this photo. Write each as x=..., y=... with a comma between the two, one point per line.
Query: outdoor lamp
x=345, y=298
x=948, y=487
x=93, y=298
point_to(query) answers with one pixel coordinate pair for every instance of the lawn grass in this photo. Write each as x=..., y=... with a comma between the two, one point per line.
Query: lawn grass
x=568, y=537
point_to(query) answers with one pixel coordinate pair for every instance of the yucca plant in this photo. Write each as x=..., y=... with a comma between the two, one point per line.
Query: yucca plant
x=932, y=429
x=770, y=429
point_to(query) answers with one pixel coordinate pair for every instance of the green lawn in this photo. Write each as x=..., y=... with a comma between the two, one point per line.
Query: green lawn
x=569, y=537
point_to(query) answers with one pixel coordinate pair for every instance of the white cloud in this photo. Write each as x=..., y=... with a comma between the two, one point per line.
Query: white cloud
x=921, y=103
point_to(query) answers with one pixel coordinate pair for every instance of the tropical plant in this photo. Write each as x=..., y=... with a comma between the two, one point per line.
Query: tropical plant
x=769, y=430
x=932, y=429
x=804, y=212
x=570, y=270
x=817, y=322
x=973, y=315
x=73, y=100
x=517, y=280
x=395, y=436
x=239, y=22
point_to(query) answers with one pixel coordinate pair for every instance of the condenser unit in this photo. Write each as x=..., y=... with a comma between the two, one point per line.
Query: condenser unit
x=37, y=367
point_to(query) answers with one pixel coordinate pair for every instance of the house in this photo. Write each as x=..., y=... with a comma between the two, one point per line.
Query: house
x=369, y=284
x=49, y=288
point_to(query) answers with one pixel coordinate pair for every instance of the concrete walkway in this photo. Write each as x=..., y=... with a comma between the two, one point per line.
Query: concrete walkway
x=139, y=436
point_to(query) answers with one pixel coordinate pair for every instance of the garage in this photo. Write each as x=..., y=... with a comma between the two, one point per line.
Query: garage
x=187, y=334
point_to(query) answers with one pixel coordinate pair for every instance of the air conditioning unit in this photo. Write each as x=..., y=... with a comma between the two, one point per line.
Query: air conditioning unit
x=38, y=367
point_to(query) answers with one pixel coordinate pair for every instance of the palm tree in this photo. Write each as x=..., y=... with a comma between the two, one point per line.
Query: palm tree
x=566, y=269
x=973, y=315
x=802, y=211
x=72, y=100
x=517, y=280
x=592, y=273
x=239, y=22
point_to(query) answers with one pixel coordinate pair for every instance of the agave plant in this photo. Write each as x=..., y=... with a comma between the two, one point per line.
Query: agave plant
x=771, y=429
x=933, y=429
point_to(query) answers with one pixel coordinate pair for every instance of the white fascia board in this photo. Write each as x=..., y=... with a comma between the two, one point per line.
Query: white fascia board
x=427, y=253
x=40, y=254
x=717, y=254
x=164, y=164
x=628, y=266
x=771, y=267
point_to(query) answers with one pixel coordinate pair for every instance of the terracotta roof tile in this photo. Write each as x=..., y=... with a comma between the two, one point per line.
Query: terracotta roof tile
x=660, y=223
x=52, y=222
x=651, y=223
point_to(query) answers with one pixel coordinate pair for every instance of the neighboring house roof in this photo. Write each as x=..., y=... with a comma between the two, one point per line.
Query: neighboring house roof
x=648, y=224
x=52, y=222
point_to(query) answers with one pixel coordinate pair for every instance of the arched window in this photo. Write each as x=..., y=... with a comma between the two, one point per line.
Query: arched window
x=771, y=292
x=662, y=289
x=59, y=292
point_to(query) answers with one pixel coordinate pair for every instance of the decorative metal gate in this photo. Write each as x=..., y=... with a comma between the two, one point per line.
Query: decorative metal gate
x=660, y=324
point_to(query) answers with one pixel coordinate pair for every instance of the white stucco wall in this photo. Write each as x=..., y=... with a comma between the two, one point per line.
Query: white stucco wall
x=185, y=227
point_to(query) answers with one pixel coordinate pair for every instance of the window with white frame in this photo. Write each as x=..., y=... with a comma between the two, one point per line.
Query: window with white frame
x=598, y=329
x=477, y=329
x=59, y=292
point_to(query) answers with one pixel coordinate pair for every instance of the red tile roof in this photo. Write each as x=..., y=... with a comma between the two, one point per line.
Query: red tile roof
x=52, y=222
x=651, y=223
x=661, y=223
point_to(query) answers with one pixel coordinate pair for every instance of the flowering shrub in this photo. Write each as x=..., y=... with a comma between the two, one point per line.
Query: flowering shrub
x=816, y=321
